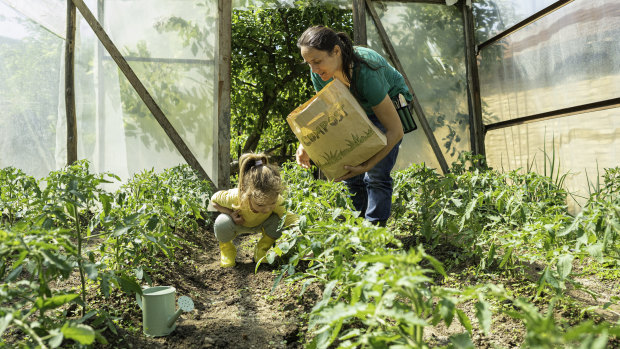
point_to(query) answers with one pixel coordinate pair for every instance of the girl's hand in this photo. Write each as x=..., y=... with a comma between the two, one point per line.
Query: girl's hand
x=237, y=218
x=302, y=157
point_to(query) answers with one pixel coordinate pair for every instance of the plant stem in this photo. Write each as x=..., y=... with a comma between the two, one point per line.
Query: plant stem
x=79, y=255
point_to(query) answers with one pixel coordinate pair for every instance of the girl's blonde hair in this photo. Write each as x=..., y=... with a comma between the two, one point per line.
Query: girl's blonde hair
x=258, y=179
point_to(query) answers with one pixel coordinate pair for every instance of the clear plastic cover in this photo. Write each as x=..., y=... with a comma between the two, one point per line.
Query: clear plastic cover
x=582, y=145
x=172, y=46
x=494, y=16
x=567, y=58
x=428, y=40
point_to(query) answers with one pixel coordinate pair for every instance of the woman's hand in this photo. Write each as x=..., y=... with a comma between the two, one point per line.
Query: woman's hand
x=353, y=171
x=302, y=157
x=237, y=218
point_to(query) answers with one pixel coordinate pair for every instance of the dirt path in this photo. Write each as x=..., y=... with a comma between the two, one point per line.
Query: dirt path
x=234, y=307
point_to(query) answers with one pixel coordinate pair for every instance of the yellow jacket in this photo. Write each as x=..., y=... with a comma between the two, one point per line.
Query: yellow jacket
x=230, y=199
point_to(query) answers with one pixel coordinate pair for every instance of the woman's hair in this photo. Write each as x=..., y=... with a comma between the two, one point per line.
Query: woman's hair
x=324, y=39
x=258, y=179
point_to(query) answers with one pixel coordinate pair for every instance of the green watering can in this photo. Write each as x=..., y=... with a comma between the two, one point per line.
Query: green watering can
x=158, y=311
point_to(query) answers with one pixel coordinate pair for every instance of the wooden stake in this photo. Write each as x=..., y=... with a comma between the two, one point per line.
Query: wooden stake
x=223, y=112
x=70, y=85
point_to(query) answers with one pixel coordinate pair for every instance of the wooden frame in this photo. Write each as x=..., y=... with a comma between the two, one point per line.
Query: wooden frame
x=359, y=23
x=70, y=84
x=223, y=91
x=476, y=126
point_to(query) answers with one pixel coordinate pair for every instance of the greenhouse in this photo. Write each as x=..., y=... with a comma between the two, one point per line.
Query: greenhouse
x=122, y=120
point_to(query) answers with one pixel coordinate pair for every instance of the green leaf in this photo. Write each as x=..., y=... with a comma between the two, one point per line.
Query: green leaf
x=436, y=264
x=446, y=310
x=596, y=251
x=483, y=313
x=82, y=334
x=121, y=231
x=105, y=286
x=464, y=320
x=91, y=270
x=106, y=203
x=128, y=285
x=4, y=322
x=54, y=302
x=462, y=341
x=56, y=261
x=506, y=257
x=56, y=339
x=14, y=273
x=565, y=265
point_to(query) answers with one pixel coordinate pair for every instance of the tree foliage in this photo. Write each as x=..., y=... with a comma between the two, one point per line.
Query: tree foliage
x=269, y=78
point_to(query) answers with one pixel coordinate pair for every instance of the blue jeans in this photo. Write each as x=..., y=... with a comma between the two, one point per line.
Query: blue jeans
x=371, y=192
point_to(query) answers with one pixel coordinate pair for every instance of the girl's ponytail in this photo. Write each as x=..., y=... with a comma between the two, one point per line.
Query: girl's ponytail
x=258, y=178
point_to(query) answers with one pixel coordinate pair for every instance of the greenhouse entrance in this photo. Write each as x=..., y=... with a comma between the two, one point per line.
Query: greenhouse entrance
x=122, y=120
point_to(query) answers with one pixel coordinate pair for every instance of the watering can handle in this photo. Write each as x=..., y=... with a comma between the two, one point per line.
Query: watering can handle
x=139, y=300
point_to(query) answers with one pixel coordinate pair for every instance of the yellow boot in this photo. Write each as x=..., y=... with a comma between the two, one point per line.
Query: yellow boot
x=262, y=246
x=228, y=253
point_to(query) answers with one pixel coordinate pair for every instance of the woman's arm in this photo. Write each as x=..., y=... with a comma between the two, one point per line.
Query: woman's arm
x=386, y=113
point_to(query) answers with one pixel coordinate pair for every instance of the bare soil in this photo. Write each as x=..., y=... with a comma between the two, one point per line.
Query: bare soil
x=234, y=307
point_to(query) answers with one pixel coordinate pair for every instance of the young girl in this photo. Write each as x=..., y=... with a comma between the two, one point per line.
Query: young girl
x=256, y=205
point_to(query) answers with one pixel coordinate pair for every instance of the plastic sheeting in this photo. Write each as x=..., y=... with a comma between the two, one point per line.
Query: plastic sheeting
x=428, y=40
x=30, y=59
x=49, y=14
x=567, y=58
x=494, y=16
x=583, y=145
x=172, y=47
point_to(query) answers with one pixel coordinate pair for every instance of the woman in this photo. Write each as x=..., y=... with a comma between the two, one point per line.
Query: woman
x=373, y=82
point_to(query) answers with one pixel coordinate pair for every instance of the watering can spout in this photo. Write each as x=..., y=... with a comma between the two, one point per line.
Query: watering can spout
x=174, y=318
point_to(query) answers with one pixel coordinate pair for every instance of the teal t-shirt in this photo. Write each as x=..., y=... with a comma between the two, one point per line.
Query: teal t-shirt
x=371, y=85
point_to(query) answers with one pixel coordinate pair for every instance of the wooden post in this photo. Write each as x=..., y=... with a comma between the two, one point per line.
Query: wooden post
x=476, y=126
x=360, y=36
x=141, y=90
x=70, y=85
x=223, y=90
x=416, y=104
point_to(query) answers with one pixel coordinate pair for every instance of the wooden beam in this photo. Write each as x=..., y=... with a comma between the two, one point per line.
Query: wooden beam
x=360, y=36
x=141, y=90
x=70, y=85
x=416, y=104
x=579, y=109
x=435, y=2
x=223, y=91
x=473, y=82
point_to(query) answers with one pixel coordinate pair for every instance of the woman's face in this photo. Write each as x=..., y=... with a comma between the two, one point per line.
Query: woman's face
x=324, y=63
